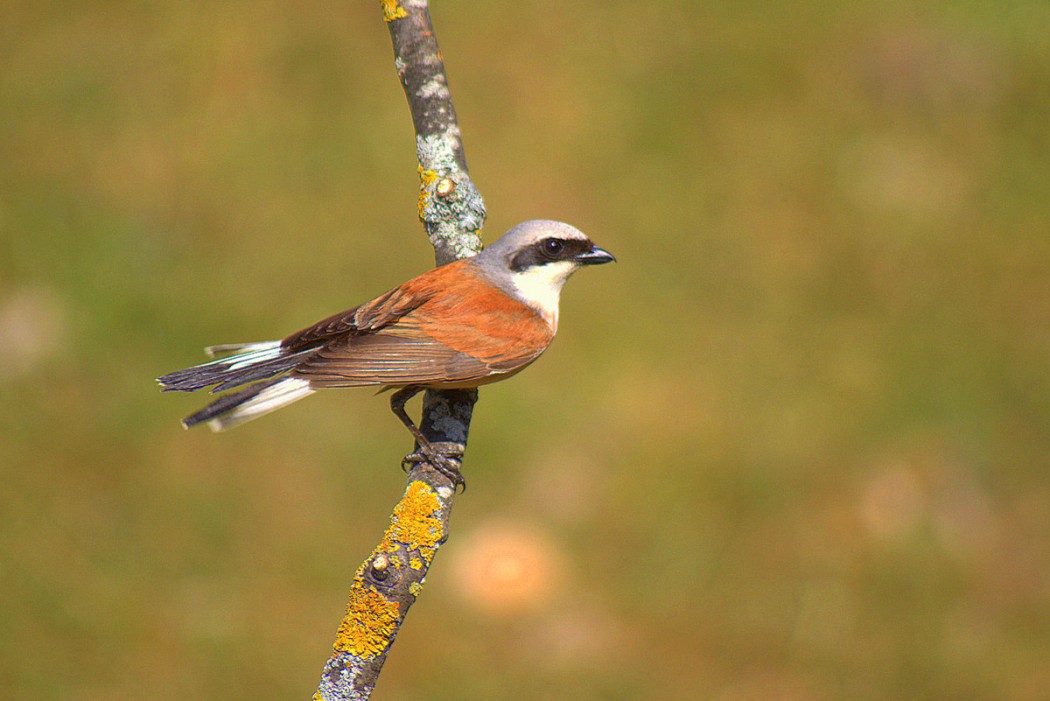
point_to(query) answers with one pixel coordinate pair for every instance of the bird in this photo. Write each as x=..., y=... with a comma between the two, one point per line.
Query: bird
x=470, y=322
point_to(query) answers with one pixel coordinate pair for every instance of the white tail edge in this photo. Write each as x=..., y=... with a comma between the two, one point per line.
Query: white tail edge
x=270, y=399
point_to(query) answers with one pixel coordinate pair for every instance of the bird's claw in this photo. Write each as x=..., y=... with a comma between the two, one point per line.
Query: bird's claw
x=444, y=456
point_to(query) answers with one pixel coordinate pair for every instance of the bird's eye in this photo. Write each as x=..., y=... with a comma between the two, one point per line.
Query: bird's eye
x=551, y=247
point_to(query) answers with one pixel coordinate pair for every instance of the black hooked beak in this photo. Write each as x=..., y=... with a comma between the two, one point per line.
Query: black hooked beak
x=594, y=256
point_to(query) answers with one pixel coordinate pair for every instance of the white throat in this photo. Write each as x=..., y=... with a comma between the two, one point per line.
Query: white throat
x=540, y=287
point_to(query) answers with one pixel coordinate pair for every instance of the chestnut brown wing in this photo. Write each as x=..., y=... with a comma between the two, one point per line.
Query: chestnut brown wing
x=376, y=314
x=467, y=333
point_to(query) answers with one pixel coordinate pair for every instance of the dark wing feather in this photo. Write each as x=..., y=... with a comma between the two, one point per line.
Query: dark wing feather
x=371, y=316
x=322, y=331
x=399, y=355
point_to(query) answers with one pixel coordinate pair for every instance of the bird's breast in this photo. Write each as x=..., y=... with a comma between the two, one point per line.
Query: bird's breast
x=471, y=315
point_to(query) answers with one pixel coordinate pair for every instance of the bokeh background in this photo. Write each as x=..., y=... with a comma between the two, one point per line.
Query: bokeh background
x=795, y=445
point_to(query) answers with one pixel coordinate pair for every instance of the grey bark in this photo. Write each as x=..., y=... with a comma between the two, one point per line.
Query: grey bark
x=452, y=211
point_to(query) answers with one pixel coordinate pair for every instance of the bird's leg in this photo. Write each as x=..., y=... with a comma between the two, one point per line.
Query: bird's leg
x=397, y=405
x=445, y=457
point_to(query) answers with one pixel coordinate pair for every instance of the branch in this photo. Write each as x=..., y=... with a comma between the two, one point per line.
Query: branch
x=452, y=211
x=449, y=205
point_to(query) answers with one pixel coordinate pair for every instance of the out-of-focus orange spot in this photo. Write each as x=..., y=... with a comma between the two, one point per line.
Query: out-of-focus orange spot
x=31, y=330
x=505, y=568
x=892, y=502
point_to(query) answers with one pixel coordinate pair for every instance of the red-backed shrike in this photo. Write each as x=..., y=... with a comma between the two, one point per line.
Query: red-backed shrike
x=458, y=326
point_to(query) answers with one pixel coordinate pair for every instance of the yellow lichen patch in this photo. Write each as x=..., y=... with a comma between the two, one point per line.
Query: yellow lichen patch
x=317, y=696
x=415, y=523
x=392, y=10
x=369, y=624
x=425, y=178
x=415, y=588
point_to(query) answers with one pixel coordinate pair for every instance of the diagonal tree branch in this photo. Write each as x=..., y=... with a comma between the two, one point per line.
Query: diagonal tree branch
x=449, y=205
x=452, y=211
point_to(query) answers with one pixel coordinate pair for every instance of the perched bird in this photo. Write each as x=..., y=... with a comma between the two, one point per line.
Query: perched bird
x=468, y=323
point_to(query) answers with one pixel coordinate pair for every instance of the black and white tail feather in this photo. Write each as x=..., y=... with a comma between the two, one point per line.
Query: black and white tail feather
x=260, y=368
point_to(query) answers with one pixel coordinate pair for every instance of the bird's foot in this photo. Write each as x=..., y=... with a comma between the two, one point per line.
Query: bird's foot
x=444, y=456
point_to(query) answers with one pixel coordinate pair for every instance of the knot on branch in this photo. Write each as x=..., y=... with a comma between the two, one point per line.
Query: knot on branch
x=379, y=571
x=450, y=205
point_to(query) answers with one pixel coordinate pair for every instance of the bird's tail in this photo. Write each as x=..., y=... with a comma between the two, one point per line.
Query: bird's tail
x=257, y=368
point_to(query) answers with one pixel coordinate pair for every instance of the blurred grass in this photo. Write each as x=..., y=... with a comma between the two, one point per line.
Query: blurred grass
x=794, y=446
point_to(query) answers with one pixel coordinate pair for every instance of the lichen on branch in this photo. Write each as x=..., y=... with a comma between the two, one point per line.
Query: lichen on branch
x=452, y=211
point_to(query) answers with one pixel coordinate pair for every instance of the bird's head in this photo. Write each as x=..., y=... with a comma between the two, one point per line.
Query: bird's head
x=533, y=260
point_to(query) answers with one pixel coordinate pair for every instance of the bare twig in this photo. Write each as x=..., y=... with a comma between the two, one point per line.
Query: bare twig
x=451, y=209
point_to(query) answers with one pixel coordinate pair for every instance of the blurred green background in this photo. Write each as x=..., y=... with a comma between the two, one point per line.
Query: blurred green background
x=795, y=445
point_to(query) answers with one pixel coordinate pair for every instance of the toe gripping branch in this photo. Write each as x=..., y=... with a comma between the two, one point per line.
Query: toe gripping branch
x=444, y=456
